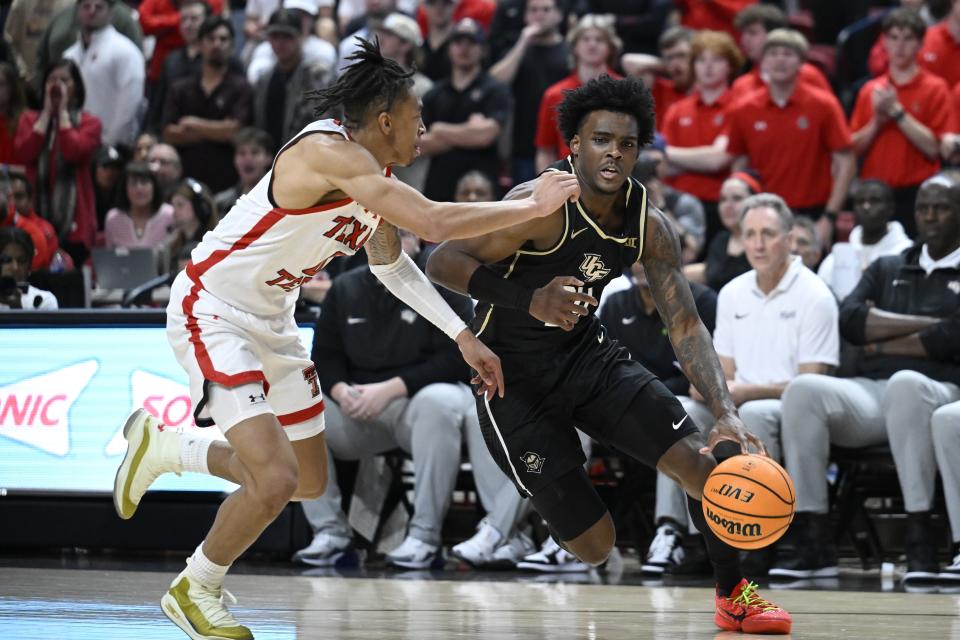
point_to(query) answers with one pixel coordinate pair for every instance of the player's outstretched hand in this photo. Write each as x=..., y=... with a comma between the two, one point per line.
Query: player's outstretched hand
x=730, y=427
x=485, y=362
x=552, y=189
x=559, y=304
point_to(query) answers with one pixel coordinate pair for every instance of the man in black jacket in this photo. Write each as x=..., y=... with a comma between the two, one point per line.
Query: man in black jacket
x=905, y=313
x=394, y=381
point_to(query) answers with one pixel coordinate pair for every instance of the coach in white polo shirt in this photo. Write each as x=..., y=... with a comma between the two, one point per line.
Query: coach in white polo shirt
x=773, y=323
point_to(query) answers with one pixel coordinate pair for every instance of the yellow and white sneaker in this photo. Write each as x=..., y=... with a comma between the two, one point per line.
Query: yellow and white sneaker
x=151, y=451
x=199, y=611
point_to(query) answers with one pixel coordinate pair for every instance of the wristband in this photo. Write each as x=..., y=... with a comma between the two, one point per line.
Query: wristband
x=487, y=286
x=899, y=115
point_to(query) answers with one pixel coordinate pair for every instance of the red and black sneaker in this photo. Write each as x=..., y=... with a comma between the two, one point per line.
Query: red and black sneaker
x=744, y=610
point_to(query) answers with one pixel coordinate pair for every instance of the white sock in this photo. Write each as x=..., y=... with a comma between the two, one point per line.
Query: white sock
x=193, y=453
x=207, y=572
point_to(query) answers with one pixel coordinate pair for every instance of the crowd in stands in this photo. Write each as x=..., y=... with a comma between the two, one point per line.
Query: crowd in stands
x=819, y=215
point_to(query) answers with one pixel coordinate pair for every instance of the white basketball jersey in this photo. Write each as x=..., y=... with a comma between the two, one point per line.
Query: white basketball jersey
x=260, y=254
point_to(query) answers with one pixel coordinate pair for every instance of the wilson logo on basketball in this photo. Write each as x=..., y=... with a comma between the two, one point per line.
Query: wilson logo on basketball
x=735, y=493
x=734, y=528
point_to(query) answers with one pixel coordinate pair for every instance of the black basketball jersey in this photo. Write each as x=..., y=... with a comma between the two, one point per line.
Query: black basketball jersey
x=584, y=251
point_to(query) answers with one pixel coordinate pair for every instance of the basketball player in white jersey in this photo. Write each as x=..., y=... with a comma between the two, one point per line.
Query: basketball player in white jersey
x=230, y=318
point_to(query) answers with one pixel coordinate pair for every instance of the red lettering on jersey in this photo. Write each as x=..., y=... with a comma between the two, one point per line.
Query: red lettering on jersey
x=310, y=375
x=353, y=240
x=339, y=223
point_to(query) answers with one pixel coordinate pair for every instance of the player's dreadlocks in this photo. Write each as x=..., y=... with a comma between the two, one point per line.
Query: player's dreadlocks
x=627, y=96
x=370, y=83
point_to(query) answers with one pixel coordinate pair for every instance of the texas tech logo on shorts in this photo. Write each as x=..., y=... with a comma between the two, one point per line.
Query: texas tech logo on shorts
x=534, y=461
x=593, y=268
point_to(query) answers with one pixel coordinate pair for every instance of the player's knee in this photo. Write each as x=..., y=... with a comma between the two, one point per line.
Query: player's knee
x=684, y=463
x=275, y=486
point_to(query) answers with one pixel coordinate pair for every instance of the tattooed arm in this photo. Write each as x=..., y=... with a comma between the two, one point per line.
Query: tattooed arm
x=691, y=340
x=401, y=276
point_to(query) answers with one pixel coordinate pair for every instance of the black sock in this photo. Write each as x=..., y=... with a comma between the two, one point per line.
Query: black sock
x=724, y=558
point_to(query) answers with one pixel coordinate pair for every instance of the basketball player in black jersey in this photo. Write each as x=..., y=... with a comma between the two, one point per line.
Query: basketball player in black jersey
x=537, y=284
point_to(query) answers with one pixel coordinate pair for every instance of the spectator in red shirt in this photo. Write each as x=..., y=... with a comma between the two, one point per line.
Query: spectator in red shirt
x=790, y=133
x=12, y=104
x=900, y=117
x=700, y=118
x=715, y=15
x=161, y=19
x=595, y=46
x=674, y=65
x=940, y=53
x=480, y=10
x=57, y=145
x=950, y=145
x=755, y=23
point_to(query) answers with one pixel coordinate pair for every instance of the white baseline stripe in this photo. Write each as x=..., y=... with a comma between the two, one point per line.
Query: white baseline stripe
x=503, y=444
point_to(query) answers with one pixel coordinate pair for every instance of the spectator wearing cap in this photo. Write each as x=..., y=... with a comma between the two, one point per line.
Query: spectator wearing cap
x=876, y=235
x=16, y=252
x=64, y=29
x=181, y=62
x=594, y=45
x=317, y=53
x=142, y=219
x=165, y=163
x=203, y=112
x=900, y=117
x=400, y=41
x=754, y=24
x=812, y=172
x=538, y=59
x=280, y=106
x=362, y=27
x=464, y=115
x=113, y=72
x=107, y=168
x=668, y=77
x=161, y=19
x=252, y=156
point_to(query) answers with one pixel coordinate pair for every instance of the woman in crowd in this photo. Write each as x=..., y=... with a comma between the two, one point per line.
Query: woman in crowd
x=194, y=213
x=142, y=219
x=57, y=145
x=725, y=254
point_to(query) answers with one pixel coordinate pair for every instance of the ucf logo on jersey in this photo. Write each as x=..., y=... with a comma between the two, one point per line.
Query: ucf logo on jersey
x=593, y=268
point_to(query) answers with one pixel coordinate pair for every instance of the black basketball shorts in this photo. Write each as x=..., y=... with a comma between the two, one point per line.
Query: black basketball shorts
x=596, y=388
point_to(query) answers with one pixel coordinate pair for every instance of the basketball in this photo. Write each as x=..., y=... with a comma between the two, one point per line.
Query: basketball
x=749, y=501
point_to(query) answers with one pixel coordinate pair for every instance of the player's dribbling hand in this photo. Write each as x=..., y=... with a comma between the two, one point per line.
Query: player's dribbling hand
x=552, y=189
x=489, y=373
x=559, y=304
x=730, y=427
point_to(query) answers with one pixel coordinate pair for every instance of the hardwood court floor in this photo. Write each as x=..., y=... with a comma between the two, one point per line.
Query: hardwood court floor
x=71, y=604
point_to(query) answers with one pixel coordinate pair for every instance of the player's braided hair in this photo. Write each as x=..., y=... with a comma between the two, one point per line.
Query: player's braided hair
x=371, y=83
x=627, y=96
